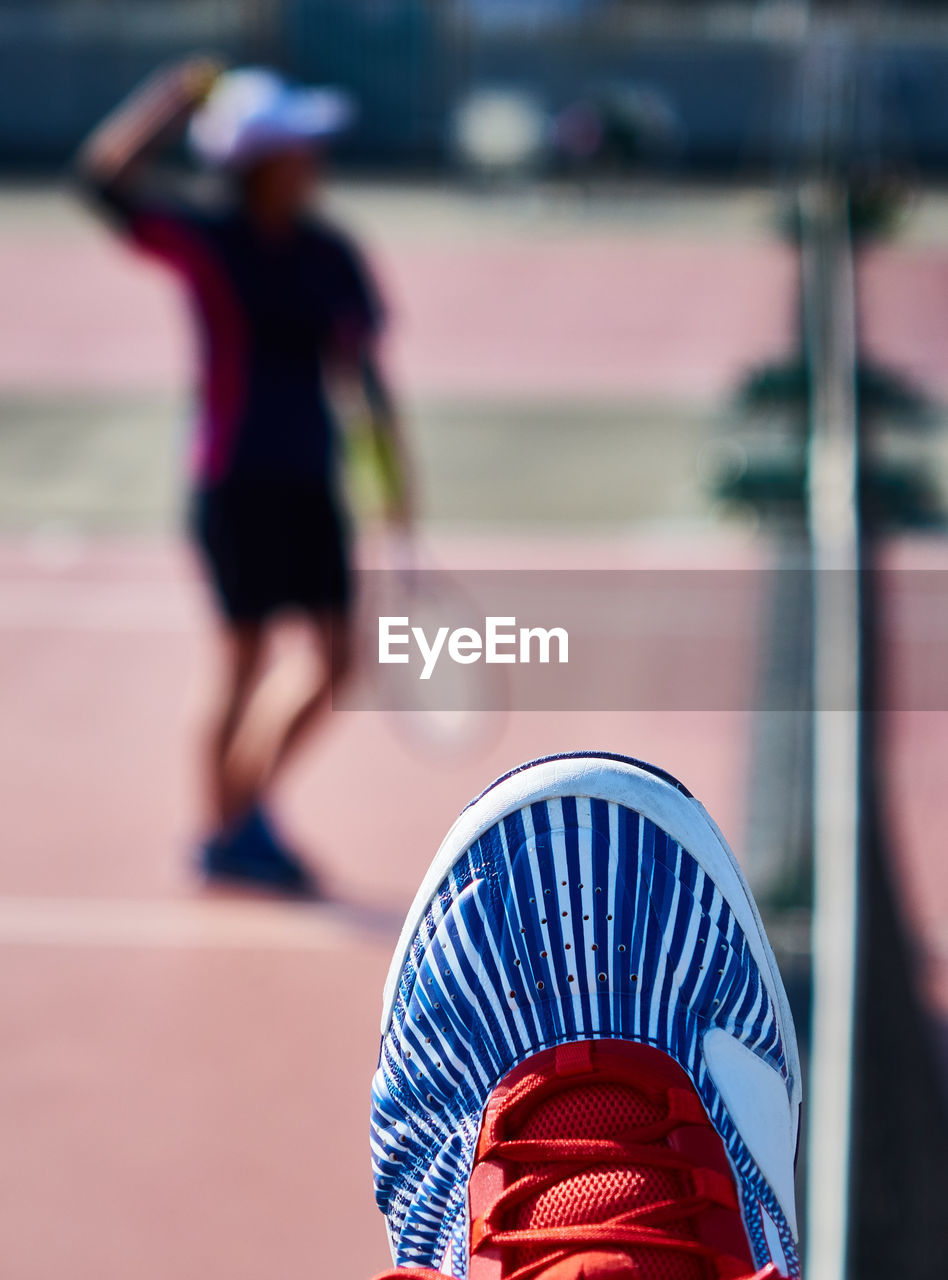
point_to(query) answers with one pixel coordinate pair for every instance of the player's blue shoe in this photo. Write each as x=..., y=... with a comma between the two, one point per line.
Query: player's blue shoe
x=588, y=1064
x=251, y=855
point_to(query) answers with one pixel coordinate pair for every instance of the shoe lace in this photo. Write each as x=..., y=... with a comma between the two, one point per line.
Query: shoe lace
x=644, y=1223
x=769, y=1272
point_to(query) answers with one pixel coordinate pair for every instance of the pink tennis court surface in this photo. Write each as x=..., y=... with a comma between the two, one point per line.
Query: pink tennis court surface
x=613, y=316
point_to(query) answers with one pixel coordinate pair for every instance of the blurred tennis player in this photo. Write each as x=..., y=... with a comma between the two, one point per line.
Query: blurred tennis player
x=284, y=309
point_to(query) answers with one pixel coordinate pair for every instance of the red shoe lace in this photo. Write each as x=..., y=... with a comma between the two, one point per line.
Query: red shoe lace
x=769, y=1272
x=641, y=1185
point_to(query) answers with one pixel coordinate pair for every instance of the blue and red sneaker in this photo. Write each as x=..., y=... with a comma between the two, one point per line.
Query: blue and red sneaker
x=588, y=1064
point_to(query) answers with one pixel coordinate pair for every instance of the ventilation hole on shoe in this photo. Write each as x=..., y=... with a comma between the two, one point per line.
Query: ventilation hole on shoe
x=454, y=997
x=635, y=977
x=563, y=883
x=547, y=892
x=523, y=931
x=602, y=977
x=539, y=986
x=533, y=899
x=701, y=942
x=565, y=914
x=569, y=946
x=437, y=1004
x=408, y=1053
x=513, y=995
x=720, y=971
x=595, y=946
x=621, y=946
x=431, y=1097
x=429, y=982
x=570, y=978
x=445, y=1030
x=438, y=1065
x=427, y=1039
x=543, y=921
x=608, y=917
x=599, y=888
x=542, y=955
x=517, y=963
x=585, y=917
x=580, y=885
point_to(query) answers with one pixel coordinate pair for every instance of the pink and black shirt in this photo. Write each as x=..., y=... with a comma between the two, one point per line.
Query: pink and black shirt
x=271, y=316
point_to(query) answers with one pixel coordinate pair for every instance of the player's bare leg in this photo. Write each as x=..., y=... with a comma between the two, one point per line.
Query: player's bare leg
x=284, y=710
x=241, y=649
x=332, y=637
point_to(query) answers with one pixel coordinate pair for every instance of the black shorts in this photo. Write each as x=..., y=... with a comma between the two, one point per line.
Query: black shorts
x=272, y=544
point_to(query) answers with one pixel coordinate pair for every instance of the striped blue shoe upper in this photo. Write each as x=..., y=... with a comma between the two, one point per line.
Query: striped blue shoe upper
x=569, y=919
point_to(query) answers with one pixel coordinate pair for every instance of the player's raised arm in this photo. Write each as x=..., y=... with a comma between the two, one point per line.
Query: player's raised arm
x=151, y=115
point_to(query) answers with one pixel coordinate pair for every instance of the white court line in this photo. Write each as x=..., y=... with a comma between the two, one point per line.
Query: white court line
x=140, y=923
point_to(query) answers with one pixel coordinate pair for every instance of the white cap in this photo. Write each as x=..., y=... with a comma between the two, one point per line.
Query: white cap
x=255, y=113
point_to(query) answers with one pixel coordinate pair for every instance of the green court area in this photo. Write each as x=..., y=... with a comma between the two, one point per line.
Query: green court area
x=114, y=463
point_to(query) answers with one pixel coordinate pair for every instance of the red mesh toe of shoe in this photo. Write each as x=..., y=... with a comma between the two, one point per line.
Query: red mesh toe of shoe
x=598, y=1159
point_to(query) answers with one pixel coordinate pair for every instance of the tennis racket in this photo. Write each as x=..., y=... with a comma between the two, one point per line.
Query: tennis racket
x=459, y=711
